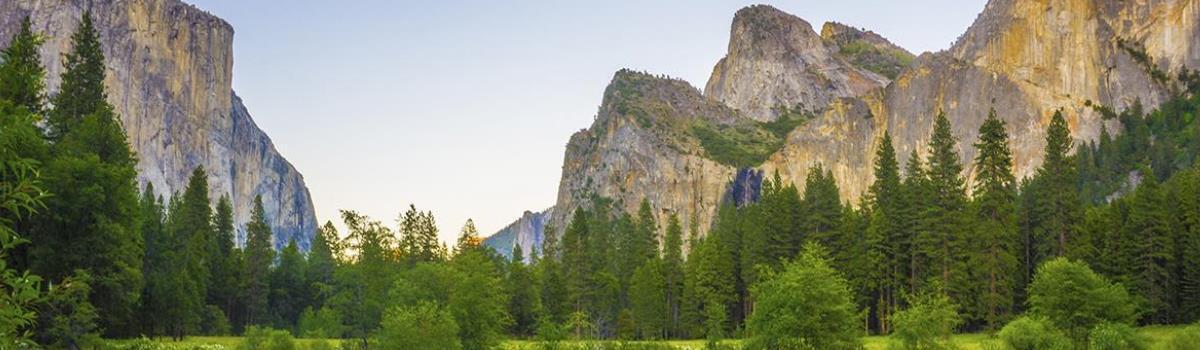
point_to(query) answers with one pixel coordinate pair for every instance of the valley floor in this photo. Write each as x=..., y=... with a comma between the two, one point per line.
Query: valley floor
x=976, y=341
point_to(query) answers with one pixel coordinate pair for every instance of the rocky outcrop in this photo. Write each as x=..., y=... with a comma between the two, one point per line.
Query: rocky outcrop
x=169, y=75
x=640, y=146
x=527, y=233
x=776, y=60
x=1026, y=59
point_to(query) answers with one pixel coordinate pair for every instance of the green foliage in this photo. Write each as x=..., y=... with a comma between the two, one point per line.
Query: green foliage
x=67, y=320
x=21, y=73
x=320, y=323
x=885, y=61
x=941, y=242
x=1033, y=333
x=421, y=326
x=993, y=255
x=91, y=173
x=259, y=257
x=21, y=196
x=648, y=298
x=261, y=338
x=807, y=302
x=927, y=323
x=1188, y=338
x=748, y=143
x=1115, y=336
x=1076, y=299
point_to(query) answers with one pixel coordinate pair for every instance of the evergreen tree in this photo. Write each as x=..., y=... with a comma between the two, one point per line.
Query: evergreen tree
x=1057, y=207
x=21, y=73
x=822, y=207
x=477, y=300
x=322, y=261
x=82, y=92
x=576, y=267
x=917, y=197
x=222, y=290
x=550, y=272
x=468, y=238
x=944, y=244
x=673, y=271
x=1149, y=229
x=418, y=237
x=156, y=263
x=94, y=224
x=1188, y=246
x=287, y=287
x=994, y=240
x=648, y=300
x=524, y=304
x=259, y=257
x=886, y=242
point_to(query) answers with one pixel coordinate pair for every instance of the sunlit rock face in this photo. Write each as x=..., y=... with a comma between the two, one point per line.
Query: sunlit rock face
x=777, y=60
x=169, y=73
x=1025, y=59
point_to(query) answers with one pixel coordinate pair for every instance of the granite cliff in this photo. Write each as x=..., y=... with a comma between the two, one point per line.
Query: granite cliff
x=169, y=76
x=1025, y=58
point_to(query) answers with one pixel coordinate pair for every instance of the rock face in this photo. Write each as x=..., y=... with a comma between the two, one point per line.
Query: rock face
x=1024, y=58
x=169, y=74
x=527, y=233
x=777, y=60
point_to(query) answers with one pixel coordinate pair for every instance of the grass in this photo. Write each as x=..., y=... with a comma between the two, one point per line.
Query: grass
x=1157, y=335
x=227, y=342
x=974, y=341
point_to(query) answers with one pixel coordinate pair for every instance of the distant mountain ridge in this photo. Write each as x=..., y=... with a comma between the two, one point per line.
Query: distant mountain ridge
x=1024, y=58
x=169, y=76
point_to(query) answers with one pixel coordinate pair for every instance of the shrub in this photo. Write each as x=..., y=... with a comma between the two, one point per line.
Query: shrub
x=926, y=324
x=215, y=322
x=1075, y=299
x=806, y=306
x=1033, y=333
x=322, y=323
x=1187, y=339
x=320, y=344
x=424, y=326
x=264, y=338
x=1115, y=336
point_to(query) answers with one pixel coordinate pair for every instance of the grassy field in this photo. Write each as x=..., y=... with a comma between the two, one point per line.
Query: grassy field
x=1156, y=334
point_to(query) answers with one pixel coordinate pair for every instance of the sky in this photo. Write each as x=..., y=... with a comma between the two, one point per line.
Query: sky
x=465, y=107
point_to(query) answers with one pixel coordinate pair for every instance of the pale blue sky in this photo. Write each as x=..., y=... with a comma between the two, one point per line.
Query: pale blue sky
x=465, y=107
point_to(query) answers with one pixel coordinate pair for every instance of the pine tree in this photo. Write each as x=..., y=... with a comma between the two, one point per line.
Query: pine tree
x=524, y=303
x=322, y=261
x=21, y=74
x=1057, y=208
x=917, y=197
x=576, y=266
x=994, y=240
x=1149, y=228
x=258, y=265
x=944, y=218
x=648, y=300
x=156, y=263
x=222, y=290
x=468, y=238
x=673, y=271
x=822, y=207
x=1188, y=245
x=94, y=226
x=418, y=237
x=287, y=287
x=82, y=90
x=550, y=272
x=886, y=243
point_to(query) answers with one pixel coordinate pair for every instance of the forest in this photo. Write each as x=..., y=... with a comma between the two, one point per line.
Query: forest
x=1104, y=237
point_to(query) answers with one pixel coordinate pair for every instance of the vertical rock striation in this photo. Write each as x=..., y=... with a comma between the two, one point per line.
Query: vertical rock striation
x=169, y=76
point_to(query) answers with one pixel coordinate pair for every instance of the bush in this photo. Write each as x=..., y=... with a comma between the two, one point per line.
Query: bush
x=424, y=326
x=264, y=338
x=1033, y=333
x=1076, y=299
x=322, y=323
x=215, y=322
x=320, y=344
x=1187, y=339
x=1115, y=336
x=806, y=306
x=926, y=324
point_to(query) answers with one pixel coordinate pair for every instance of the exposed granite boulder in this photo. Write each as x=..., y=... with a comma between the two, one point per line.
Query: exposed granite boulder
x=169, y=74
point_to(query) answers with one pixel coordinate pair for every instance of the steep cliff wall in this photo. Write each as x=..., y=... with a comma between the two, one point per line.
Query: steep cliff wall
x=169, y=76
x=1025, y=58
x=527, y=232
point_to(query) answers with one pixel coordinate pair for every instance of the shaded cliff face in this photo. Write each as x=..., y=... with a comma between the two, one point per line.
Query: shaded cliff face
x=776, y=60
x=1026, y=59
x=527, y=232
x=169, y=73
